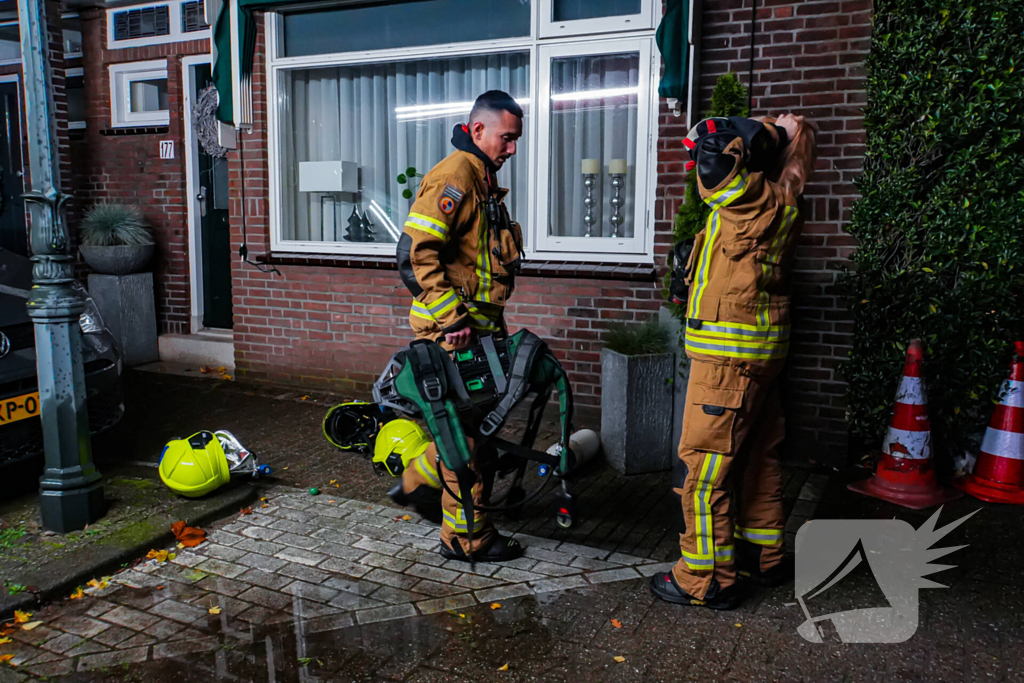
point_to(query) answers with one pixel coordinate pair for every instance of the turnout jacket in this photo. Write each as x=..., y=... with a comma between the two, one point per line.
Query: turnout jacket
x=739, y=302
x=458, y=263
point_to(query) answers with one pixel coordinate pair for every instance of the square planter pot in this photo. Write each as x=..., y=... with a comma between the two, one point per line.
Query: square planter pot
x=128, y=308
x=636, y=411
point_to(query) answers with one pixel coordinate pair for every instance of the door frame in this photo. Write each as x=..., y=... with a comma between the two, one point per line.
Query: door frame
x=16, y=79
x=195, y=244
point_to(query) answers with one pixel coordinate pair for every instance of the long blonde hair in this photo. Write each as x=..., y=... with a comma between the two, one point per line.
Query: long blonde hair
x=796, y=164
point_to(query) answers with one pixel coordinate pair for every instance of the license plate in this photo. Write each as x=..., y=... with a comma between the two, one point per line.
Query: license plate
x=19, y=407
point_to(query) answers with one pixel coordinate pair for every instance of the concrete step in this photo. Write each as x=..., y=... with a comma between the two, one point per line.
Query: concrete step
x=213, y=348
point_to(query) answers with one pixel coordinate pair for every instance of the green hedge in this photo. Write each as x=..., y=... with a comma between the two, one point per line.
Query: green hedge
x=941, y=219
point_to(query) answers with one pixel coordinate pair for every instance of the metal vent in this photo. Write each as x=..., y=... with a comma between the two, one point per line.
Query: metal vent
x=142, y=23
x=192, y=17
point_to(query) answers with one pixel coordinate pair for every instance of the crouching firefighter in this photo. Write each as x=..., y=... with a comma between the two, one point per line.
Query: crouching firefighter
x=728, y=474
x=458, y=256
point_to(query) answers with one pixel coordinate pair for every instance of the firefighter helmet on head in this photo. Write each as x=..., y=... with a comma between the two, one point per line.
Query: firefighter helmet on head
x=398, y=444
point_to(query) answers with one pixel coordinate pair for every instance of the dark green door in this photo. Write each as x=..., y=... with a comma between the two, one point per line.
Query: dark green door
x=215, y=235
x=13, y=231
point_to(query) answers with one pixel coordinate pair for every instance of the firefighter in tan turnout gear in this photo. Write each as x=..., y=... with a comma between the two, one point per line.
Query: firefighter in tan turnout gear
x=728, y=475
x=458, y=255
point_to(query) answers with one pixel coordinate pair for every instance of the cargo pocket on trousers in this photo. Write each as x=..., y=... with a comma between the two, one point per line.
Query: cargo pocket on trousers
x=709, y=419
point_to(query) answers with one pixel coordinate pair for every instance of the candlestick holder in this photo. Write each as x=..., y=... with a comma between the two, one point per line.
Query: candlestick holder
x=617, y=201
x=589, y=181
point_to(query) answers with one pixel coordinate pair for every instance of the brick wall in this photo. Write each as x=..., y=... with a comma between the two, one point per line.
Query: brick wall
x=128, y=168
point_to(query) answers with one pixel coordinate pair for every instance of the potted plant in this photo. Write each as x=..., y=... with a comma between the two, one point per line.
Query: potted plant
x=637, y=372
x=115, y=239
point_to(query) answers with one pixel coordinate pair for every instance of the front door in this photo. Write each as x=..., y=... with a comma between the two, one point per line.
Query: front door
x=214, y=232
x=13, y=231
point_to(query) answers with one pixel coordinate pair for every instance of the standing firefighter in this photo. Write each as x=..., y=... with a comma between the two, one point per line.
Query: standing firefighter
x=728, y=475
x=458, y=256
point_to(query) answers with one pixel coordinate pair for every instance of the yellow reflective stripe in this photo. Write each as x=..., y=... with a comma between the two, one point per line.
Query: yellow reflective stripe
x=725, y=553
x=459, y=524
x=483, y=263
x=427, y=224
x=420, y=311
x=714, y=222
x=730, y=193
x=736, y=349
x=479, y=320
x=699, y=562
x=702, y=504
x=760, y=536
x=432, y=311
x=778, y=245
x=426, y=469
x=741, y=332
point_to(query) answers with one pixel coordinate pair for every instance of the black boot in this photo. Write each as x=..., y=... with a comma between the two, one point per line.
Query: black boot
x=664, y=587
x=501, y=549
x=748, y=566
x=425, y=500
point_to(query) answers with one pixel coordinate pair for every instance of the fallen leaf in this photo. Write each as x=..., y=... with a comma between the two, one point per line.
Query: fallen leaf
x=21, y=617
x=330, y=501
x=739, y=625
x=495, y=605
x=264, y=506
x=31, y=625
x=214, y=610
x=158, y=555
x=160, y=587
x=7, y=658
x=461, y=615
x=303, y=398
x=284, y=468
x=222, y=369
x=263, y=499
x=227, y=377
x=619, y=658
x=78, y=594
x=171, y=556
x=616, y=623
x=7, y=631
x=334, y=481
x=4, y=641
x=406, y=517
x=204, y=369
x=246, y=511
x=187, y=536
x=503, y=668
x=337, y=486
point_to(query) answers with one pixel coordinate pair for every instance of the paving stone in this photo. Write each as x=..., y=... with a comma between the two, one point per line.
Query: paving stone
x=250, y=545
x=552, y=556
x=334, y=622
x=261, y=597
x=134, y=579
x=481, y=569
x=591, y=564
x=377, y=614
x=182, y=574
x=138, y=640
x=294, y=527
x=622, y=558
x=379, y=547
x=621, y=574
x=352, y=602
x=433, y=573
x=395, y=564
x=555, y=569
x=344, y=552
x=263, y=579
x=537, y=542
x=184, y=647
x=260, y=519
x=430, y=544
x=87, y=647
x=304, y=573
x=234, y=527
x=303, y=610
x=99, y=608
x=305, y=557
x=46, y=670
x=389, y=578
x=442, y=604
x=261, y=533
x=114, y=635
x=367, y=518
x=433, y=559
x=223, y=552
x=516, y=575
x=191, y=558
x=63, y=643
x=293, y=502
x=437, y=590
x=336, y=536
x=35, y=637
x=221, y=568
x=310, y=591
x=179, y=611
x=165, y=629
x=346, y=567
x=222, y=537
x=297, y=541
x=99, y=661
x=332, y=512
x=474, y=582
x=130, y=618
x=321, y=522
x=516, y=590
x=294, y=515
x=352, y=585
x=396, y=596
x=82, y=626
x=261, y=562
x=583, y=551
x=649, y=570
x=413, y=529
x=560, y=584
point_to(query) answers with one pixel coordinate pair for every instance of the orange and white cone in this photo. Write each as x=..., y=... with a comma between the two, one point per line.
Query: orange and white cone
x=905, y=475
x=999, y=473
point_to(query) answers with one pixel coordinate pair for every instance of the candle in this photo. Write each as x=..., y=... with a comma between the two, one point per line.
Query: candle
x=617, y=166
x=591, y=166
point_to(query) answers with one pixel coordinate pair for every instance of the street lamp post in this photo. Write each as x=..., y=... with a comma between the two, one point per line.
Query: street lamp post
x=71, y=495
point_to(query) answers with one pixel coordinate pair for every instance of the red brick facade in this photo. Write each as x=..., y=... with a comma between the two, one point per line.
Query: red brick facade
x=338, y=325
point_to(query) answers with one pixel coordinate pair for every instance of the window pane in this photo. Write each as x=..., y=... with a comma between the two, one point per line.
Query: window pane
x=72, y=35
x=10, y=43
x=148, y=96
x=571, y=10
x=384, y=118
x=74, y=89
x=430, y=22
x=593, y=134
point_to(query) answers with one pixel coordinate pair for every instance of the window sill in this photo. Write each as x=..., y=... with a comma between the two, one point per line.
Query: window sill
x=552, y=269
x=136, y=130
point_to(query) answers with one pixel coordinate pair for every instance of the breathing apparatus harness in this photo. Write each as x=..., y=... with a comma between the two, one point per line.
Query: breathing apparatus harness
x=470, y=393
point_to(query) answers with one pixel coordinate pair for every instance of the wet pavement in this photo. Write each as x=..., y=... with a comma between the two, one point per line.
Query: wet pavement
x=341, y=587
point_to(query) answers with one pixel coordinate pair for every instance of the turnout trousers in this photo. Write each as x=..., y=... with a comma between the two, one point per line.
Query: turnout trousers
x=728, y=475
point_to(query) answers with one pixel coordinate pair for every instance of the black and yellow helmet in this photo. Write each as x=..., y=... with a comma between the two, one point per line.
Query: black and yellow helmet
x=398, y=444
x=353, y=426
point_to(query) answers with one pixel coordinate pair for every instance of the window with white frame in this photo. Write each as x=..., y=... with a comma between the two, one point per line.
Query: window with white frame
x=370, y=91
x=10, y=43
x=138, y=94
x=156, y=23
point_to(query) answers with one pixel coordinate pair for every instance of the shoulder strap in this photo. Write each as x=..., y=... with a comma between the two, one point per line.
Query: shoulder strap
x=518, y=381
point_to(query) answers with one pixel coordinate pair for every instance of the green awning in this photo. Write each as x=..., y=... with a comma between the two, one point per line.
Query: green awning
x=673, y=42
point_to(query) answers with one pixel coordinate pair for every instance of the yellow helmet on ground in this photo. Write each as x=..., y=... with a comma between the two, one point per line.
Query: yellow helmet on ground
x=398, y=444
x=194, y=466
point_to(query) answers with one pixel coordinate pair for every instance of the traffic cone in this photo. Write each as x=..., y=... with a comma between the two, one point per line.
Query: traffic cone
x=905, y=475
x=999, y=473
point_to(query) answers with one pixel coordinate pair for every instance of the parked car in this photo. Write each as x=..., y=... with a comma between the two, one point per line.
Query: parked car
x=21, y=435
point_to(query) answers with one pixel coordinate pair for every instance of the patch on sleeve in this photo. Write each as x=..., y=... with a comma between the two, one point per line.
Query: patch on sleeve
x=449, y=199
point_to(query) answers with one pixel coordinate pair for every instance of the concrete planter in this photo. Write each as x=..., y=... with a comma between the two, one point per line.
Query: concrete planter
x=682, y=372
x=128, y=308
x=636, y=411
x=118, y=260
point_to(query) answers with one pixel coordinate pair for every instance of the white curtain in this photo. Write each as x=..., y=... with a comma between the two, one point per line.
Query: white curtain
x=347, y=113
x=603, y=128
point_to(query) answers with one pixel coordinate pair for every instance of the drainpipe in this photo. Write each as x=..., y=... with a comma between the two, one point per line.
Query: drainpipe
x=71, y=495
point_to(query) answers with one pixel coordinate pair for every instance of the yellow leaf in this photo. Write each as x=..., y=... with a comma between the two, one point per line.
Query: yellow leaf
x=21, y=617
x=78, y=594
x=214, y=610
x=7, y=658
x=263, y=499
x=738, y=625
x=619, y=658
x=222, y=369
x=303, y=398
x=158, y=555
x=171, y=556
x=31, y=625
x=284, y=468
x=461, y=615
x=334, y=481
x=495, y=605
x=4, y=641
x=264, y=506
x=928, y=270
x=616, y=623
x=984, y=265
x=406, y=517
x=93, y=583
x=503, y=668
x=181, y=546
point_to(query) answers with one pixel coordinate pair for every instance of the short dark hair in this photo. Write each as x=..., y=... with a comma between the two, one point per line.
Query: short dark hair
x=495, y=101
